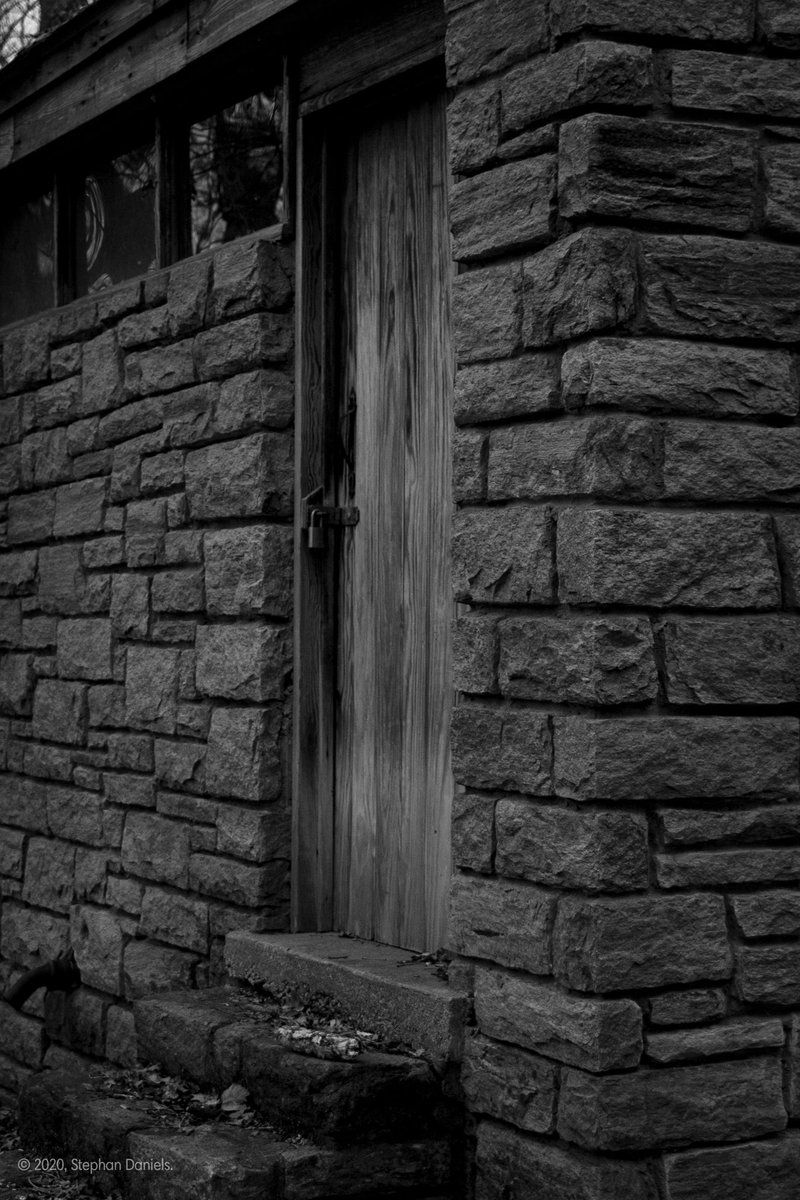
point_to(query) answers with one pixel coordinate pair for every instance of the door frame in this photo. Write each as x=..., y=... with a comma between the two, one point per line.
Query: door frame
x=315, y=605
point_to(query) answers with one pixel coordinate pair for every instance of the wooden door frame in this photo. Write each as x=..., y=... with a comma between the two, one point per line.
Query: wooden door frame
x=315, y=613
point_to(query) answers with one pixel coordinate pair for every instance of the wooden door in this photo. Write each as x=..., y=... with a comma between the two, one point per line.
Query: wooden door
x=392, y=768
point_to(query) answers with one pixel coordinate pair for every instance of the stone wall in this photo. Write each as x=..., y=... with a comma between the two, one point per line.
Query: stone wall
x=626, y=214
x=146, y=581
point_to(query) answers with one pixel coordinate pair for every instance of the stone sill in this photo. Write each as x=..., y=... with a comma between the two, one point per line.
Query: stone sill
x=379, y=989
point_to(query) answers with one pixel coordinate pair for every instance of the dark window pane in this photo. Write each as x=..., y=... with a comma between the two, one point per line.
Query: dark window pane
x=117, y=221
x=236, y=158
x=26, y=258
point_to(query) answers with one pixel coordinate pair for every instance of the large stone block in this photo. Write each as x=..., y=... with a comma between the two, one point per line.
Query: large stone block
x=101, y=374
x=499, y=747
x=475, y=653
x=63, y=586
x=689, y=1006
x=244, y=754
x=12, y=853
x=769, y=974
x=59, y=711
x=504, y=209
x=176, y=919
x=716, y=1102
x=177, y=591
x=487, y=309
x=741, y=660
x=642, y=941
x=603, y=660
x=180, y=765
x=156, y=848
x=585, y=283
x=23, y=802
x=160, y=369
x=253, y=400
x=253, y=834
x=98, y=937
x=516, y=387
x=732, y=83
x=188, y=417
x=472, y=831
x=768, y=1169
x=726, y=868
x=17, y=680
x=151, y=684
x=767, y=914
x=657, y=375
x=76, y=815
x=248, y=477
x=130, y=605
x=729, y=1038
x=701, y=20
x=149, y=968
x=589, y=73
x=713, y=462
x=249, y=571
x=84, y=649
x=693, y=560
x=26, y=355
x=247, y=662
x=782, y=207
x=251, y=274
x=30, y=517
x=30, y=936
x=666, y=758
x=80, y=507
x=508, y=923
x=239, y=883
x=187, y=295
x=473, y=127
x=43, y=460
x=593, y=851
x=17, y=572
x=600, y=1035
x=485, y=38
x=682, y=827
x=722, y=288
x=509, y=1084
x=244, y=345
x=49, y=874
x=632, y=169
x=503, y=556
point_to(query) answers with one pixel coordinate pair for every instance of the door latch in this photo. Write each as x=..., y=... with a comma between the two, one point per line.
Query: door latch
x=317, y=517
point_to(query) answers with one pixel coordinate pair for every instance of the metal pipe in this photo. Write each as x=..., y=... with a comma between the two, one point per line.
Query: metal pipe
x=59, y=975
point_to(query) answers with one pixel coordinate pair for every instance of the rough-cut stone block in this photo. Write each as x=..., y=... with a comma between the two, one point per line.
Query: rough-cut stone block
x=503, y=556
x=731, y=83
x=605, y=660
x=485, y=38
x=731, y=1037
x=59, y=711
x=161, y=369
x=487, y=308
x=585, y=283
x=692, y=1006
x=252, y=833
x=600, y=1035
x=17, y=572
x=148, y=968
x=721, y=288
x=658, y=375
x=188, y=417
x=767, y=914
x=101, y=374
x=631, y=169
x=30, y=517
x=611, y=457
x=156, y=848
x=247, y=662
x=787, y=534
x=538, y=1168
x=593, y=851
x=151, y=683
x=30, y=936
x=84, y=649
x=26, y=355
x=251, y=274
x=509, y=1084
x=725, y=868
x=719, y=463
x=43, y=460
x=239, y=883
x=12, y=853
x=509, y=923
x=248, y=477
x=647, y=941
x=475, y=654
x=741, y=660
x=187, y=295
x=244, y=344
x=17, y=680
x=694, y=560
x=592, y=72
x=782, y=206
x=243, y=754
x=701, y=20
x=662, y=759
x=130, y=605
x=49, y=874
x=717, y=1102
x=473, y=831
x=516, y=387
x=766, y=1169
x=11, y=624
x=502, y=748
x=177, y=591
x=75, y=815
x=97, y=938
x=780, y=22
x=473, y=127
x=254, y=400
x=504, y=209
x=175, y=919
x=79, y=507
x=682, y=827
x=249, y=571
x=769, y=974
x=24, y=1035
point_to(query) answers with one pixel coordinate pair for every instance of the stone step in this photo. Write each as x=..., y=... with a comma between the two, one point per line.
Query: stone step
x=379, y=988
x=221, y=1035
x=133, y=1147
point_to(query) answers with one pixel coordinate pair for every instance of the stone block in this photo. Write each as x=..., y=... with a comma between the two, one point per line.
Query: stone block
x=43, y=460
x=161, y=472
x=701, y=20
x=12, y=853
x=585, y=283
x=475, y=654
x=79, y=507
x=11, y=624
x=239, y=883
x=106, y=705
x=9, y=470
x=767, y=914
x=151, y=684
x=768, y=1169
x=180, y=765
x=469, y=466
x=509, y=1084
x=49, y=874
x=498, y=747
x=643, y=941
x=661, y=376
x=176, y=919
x=101, y=374
x=30, y=517
x=682, y=827
x=156, y=848
x=84, y=649
x=17, y=572
x=603, y=660
x=247, y=662
x=589, y=73
x=48, y=762
x=26, y=355
x=160, y=369
x=504, y=209
x=142, y=329
x=503, y=556
x=254, y=400
x=769, y=974
x=691, y=560
x=249, y=477
x=130, y=420
x=721, y=288
x=251, y=274
x=782, y=209
x=24, y=1036
x=248, y=571
x=484, y=38
x=188, y=295
x=508, y=923
x=729, y=1038
x=30, y=936
x=188, y=418
x=177, y=591
x=664, y=758
x=472, y=831
x=103, y=552
x=560, y=847
x=59, y=711
x=252, y=833
x=692, y=1006
x=128, y=789
x=487, y=309
x=473, y=127
x=537, y=1168
x=516, y=387
x=10, y=420
x=742, y=660
x=97, y=937
x=702, y=460
x=244, y=345
x=148, y=968
x=91, y=868
x=600, y=1035
x=76, y=815
x=23, y=802
x=787, y=536
x=244, y=754
x=715, y=1102
x=17, y=681
x=631, y=169
x=130, y=605
x=732, y=83
x=727, y=868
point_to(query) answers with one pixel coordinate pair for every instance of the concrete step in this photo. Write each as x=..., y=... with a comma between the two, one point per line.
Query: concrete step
x=379, y=988
x=144, y=1153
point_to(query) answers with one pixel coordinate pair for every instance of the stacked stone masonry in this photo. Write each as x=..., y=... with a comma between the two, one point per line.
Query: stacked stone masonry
x=627, y=562
x=145, y=609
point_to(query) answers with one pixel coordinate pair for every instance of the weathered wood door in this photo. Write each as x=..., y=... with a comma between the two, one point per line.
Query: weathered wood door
x=392, y=767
